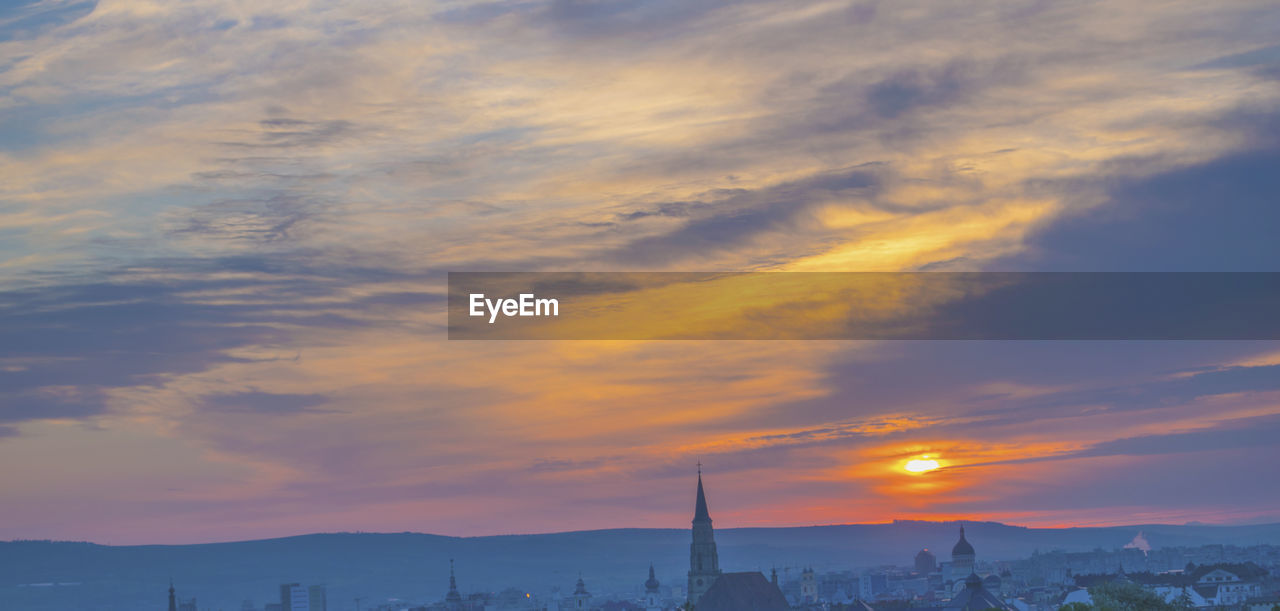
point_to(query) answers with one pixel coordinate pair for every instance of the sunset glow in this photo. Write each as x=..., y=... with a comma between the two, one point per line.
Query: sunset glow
x=226, y=230
x=920, y=465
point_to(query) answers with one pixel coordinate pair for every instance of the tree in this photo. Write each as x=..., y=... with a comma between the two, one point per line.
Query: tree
x=1075, y=607
x=1183, y=601
x=1118, y=596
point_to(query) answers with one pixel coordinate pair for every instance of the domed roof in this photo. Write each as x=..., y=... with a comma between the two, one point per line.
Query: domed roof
x=962, y=547
x=925, y=553
x=991, y=580
x=973, y=581
x=651, y=584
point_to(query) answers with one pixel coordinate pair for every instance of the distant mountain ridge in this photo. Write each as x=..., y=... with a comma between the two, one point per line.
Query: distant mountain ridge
x=414, y=566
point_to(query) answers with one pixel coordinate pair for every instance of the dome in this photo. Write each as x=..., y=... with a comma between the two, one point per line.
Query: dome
x=651, y=584
x=962, y=547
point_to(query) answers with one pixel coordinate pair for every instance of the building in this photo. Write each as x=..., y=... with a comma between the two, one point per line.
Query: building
x=872, y=585
x=704, y=562
x=176, y=605
x=294, y=597
x=652, y=594
x=581, y=597
x=808, y=585
x=975, y=597
x=962, y=564
x=317, y=597
x=994, y=584
x=713, y=590
x=1226, y=586
x=742, y=592
x=926, y=562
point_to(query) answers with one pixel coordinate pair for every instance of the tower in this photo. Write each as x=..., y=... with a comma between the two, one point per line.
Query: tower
x=581, y=597
x=173, y=600
x=704, y=562
x=651, y=595
x=962, y=558
x=453, y=600
x=808, y=585
x=926, y=562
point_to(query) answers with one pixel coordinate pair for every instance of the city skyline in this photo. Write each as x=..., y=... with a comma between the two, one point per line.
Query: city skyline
x=225, y=229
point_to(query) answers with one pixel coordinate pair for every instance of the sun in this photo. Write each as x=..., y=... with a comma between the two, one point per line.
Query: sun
x=921, y=465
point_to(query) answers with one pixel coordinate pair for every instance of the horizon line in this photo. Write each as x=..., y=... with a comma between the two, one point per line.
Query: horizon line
x=1194, y=523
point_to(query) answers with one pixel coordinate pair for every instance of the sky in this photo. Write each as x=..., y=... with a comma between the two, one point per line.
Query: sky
x=225, y=228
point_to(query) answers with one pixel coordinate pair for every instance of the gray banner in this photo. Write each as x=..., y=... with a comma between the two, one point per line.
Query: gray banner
x=858, y=305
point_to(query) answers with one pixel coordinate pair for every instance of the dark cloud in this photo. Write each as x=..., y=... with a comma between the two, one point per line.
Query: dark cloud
x=1251, y=432
x=272, y=219
x=63, y=347
x=263, y=402
x=1212, y=482
x=1214, y=216
x=69, y=402
x=1139, y=394
x=284, y=132
x=626, y=21
x=1265, y=56
x=910, y=89
x=724, y=223
x=952, y=381
x=669, y=210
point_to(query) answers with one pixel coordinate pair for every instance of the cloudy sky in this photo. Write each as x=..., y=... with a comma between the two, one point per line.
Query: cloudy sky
x=225, y=227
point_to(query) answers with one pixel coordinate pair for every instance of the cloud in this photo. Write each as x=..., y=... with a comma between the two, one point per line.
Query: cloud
x=50, y=402
x=66, y=345
x=1231, y=435
x=1204, y=217
x=214, y=211
x=904, y=91
x=731, y=221
x=263, y=402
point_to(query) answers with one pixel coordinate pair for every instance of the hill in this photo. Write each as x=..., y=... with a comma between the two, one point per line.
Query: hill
x=44, y=575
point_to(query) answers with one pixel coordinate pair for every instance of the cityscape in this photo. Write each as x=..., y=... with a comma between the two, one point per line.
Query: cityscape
x=1213, y=576
x=639, y=305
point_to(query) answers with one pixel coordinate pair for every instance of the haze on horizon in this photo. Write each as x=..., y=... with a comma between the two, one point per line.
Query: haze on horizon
x=225, y=228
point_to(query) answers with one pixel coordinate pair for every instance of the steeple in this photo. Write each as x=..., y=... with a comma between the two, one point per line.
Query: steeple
x=700, y=513
x=1121, y=576
x=651, y=584
x=173, y=601
x=704, y=561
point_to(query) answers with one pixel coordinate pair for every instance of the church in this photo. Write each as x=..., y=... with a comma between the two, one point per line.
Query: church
x=710, y=589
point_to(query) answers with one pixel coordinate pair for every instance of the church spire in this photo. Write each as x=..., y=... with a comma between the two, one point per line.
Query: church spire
x=700, y=513
x=704, y=562
x=173, y=601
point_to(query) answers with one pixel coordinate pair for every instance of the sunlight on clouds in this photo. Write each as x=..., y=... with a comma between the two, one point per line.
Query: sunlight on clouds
x=294, y=178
